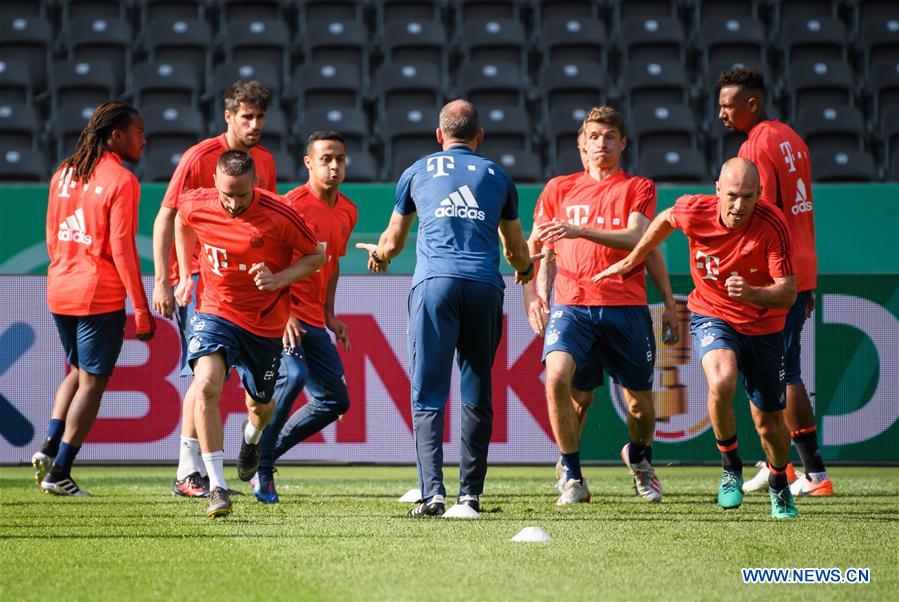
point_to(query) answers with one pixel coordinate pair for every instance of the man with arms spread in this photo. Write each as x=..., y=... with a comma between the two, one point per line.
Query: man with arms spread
x=466, y=205
x=246, y=103
x=784, y=165
x=537, y=299
x=91, y=225
x=591, y=221
x=253, y=247
x=309, y=358
x=743, y=274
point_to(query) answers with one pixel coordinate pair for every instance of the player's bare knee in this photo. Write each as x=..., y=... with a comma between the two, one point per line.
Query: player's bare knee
x=207, y=390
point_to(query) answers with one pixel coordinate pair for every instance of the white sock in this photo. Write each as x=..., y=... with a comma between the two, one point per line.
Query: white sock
x=817, y=477
x=215, y=464
x=189, y=460
x=251, y=434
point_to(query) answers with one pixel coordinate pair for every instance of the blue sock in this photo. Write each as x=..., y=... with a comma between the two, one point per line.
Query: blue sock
x=572, y=464
x=55, y=429
x=66, y=457
x=636, y=452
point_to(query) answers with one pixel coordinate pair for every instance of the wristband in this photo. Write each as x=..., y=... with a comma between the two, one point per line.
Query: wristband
x=528, y=272
x=374, y=256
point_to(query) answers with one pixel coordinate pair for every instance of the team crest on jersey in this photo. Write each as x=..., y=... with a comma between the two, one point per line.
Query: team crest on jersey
x=257, y=242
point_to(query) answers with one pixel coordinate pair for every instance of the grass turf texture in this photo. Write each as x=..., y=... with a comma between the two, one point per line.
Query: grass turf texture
x=339, y=534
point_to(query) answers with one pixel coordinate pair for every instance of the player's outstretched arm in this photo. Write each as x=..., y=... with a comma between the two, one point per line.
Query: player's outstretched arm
x=185, y=242
x=391, y=243
x=163, y=236
x=623, y=239
x=779, y=295
x=658, y=230
x=658, y=272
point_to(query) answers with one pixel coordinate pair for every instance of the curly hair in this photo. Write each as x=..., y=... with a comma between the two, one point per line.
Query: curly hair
x=748, y=78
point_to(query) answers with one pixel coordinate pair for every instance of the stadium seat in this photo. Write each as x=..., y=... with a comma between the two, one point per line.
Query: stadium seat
x=673, y=165
x=665, y=126
x=563, y=10
x=101, y=39
x=15, y=81
x=185, y=40
x=409, y=85
x=785, y=10
x=259, y=41
x=81, y=84
x=361, y=167
x=572, y=86
x=655, y=82
x=73, y=10
x=343, y=42
x=226, y=74
x=820, y=38
x=879, y=42
x=723, y=9
x=562, y=126
x=20, y=127
x=812, y=82
x=23, y=8
x=67, y=127
x=889, y=133
x=327, y=86
x=651, y=39
x=505, y=130
x=566, y=161
x=872, y=11
x=724, y=144
x=23, y=165
x=406, y=11
x=276, y=136
x=471, y=13
x=574, y=40
x=883, y=87
x=286, y=166
x=831, y=127
x=627, y=9
x=492, y=84
x=408, y=132
x=415, y=41
x=30, y=40
x=520, y=165
x=399, y=162
x=173, y=128
x=352, y=124
x=843, y=165
x=893, y=173
x=164, y=85
x=249, y=10
x=158, y=165
x=170, y=11
x=733, y=39
x=495, y=40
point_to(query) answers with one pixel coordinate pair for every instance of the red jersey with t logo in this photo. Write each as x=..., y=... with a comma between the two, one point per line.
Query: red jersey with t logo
x=785, y=167
x=196, y=169
x=91, y=227
x=603, y=204
x=332, y=227
x=268, y=232
x=759, y=252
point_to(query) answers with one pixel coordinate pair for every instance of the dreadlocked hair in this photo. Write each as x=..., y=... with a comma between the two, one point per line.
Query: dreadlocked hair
x=109, y=116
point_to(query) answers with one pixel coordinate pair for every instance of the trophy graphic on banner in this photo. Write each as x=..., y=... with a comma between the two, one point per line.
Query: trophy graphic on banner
x=671, y=400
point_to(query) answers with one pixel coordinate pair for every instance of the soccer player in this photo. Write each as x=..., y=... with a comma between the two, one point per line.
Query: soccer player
x=246, y=103
x=466, y=205
x=537, y=307
x=91, y=225
x=744, y=286
x=253, y=247
x=309, y=358
x=784, y=165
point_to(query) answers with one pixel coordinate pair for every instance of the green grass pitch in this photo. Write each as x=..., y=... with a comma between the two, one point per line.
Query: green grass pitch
x=340, y=534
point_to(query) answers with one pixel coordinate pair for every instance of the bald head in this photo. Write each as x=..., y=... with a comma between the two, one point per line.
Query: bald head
x=459, y=122
x=738, y=189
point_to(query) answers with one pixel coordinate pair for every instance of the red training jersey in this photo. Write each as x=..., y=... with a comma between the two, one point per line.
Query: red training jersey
x=603, y=204
x=268, y=232
x=91, y=227
x=331, y=226
x=785, y=167
x=758, y=251
x=196, y=169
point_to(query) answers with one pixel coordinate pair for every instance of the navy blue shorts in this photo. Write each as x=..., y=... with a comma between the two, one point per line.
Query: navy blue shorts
x=183, y=317
x=325, y=379
x=760, y=359
x=793, y=338
x=616, y=339
x=256, y=358
x=92, y=343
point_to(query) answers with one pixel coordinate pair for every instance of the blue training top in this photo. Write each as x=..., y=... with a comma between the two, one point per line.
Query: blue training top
x=460, y=197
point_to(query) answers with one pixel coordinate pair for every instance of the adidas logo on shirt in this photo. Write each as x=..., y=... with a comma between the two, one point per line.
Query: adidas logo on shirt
x=73, y=229
x=460, y=203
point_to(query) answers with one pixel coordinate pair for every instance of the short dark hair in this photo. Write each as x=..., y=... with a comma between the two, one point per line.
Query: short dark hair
x=235, y=163
x=606, y=115
x=323, y=135
x=748, y=78
x=461, y=121
x=249, y=92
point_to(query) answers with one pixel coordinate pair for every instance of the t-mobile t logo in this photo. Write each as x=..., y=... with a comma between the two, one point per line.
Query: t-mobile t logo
x=789, y=159
x=709, y=263
x=217, y=257
x=577, y=214
x=440, y=164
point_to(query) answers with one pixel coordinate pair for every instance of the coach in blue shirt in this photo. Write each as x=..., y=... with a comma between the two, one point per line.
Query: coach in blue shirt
x=466, y=206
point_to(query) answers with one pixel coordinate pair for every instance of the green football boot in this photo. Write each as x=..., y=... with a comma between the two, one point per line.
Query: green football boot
x=782, y=504
x=730, y=492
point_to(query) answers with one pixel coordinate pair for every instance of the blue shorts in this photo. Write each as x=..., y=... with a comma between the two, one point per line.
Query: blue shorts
x=256, y=358
x=92, y=343
x=325, y=379
x=793, y=338
x=759, y=359
x=615, y=339
x=183, y=317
